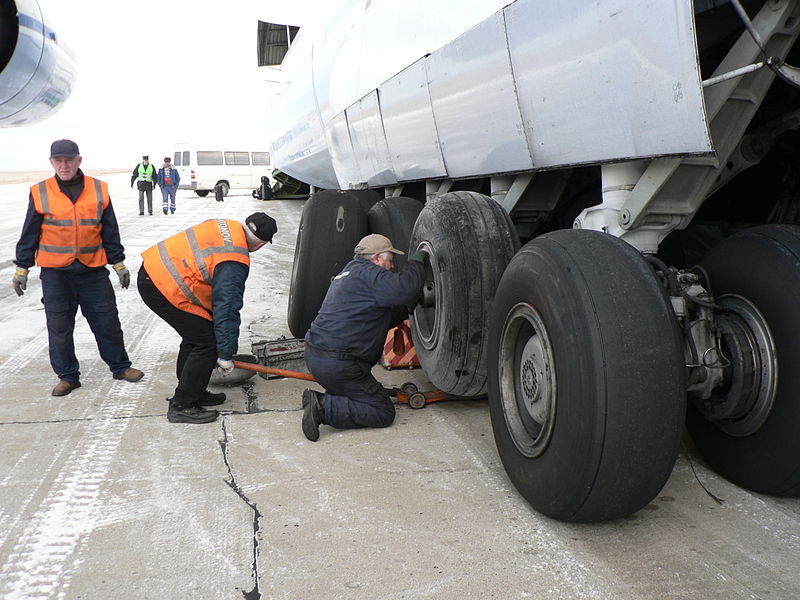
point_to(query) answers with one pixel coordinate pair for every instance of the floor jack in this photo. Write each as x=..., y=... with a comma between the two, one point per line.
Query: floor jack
x=408, y=393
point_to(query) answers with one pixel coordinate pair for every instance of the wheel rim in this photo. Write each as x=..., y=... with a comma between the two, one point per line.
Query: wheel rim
x=426, y=317
x=745, y=405
x=527, y=380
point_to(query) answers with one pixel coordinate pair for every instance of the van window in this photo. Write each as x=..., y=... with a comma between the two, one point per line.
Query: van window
x=261, y=159
x=237, y=158
x=186, y=161
x=176, y=161
x=209, y=158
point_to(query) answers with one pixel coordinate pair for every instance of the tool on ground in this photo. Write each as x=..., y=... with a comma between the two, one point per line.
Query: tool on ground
x=408, y=393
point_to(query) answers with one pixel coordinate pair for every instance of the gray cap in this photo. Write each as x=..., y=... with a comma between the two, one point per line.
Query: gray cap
x=375, y=243
x=64, y=148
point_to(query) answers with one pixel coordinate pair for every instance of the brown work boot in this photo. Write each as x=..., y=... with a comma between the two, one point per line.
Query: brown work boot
x=129, y=374
x=64, y=387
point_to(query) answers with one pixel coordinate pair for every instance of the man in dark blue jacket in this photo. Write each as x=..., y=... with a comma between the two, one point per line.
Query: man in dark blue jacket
x=346, y=339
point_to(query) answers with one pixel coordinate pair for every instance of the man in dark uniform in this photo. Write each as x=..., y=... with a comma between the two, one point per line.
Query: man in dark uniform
x=144, y=174
x=346, y=339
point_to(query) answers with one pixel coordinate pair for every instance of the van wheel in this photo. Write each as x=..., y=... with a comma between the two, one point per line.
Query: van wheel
x=201, y=193
x=331, y=225
x=223, y=187
x=395, y=218
x=468, y=239
x=586, y=377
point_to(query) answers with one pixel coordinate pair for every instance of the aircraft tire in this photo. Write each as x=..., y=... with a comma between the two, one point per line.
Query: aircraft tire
x=395, y=218
x=761, y=265
x=331, y=225
x=586, y=377
x=468, y=239
x=367, y=198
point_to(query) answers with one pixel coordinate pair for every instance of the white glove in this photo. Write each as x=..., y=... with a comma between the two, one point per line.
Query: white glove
x=224, y=365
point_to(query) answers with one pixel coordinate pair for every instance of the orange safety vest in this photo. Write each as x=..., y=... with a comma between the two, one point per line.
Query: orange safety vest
x=71, y=231
x=182, y=266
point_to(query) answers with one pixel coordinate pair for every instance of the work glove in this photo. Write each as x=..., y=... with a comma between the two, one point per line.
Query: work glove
x=131, y=185
x=417, y=256
x=20, y=280
x=123, y=274
x=225, y=365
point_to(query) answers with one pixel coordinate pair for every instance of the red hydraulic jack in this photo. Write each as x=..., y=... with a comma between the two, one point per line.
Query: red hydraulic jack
x=408, y=393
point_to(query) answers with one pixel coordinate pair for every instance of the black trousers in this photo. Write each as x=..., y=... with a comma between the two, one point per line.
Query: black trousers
x=197, y=356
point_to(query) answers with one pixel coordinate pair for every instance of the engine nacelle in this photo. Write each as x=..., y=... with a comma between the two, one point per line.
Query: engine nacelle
x=37, y=72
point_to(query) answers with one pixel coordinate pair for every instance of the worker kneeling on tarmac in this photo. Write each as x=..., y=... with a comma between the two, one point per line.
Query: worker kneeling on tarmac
x=346, y=338
x=195, y=280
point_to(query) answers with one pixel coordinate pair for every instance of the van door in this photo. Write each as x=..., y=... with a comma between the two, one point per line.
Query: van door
x=238, y=164
x=182, y=161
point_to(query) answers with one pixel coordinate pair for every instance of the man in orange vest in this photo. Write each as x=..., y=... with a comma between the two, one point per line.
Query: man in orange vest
x=71, y=232
x=195, y=280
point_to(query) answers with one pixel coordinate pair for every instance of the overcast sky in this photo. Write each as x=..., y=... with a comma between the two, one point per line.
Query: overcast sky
x=153, y=73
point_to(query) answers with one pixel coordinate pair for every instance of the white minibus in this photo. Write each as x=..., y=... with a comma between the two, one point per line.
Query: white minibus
x=203, y=169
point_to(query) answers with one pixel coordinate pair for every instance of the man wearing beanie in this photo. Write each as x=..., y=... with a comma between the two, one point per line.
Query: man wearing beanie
x=195, y=280
x=346, y=338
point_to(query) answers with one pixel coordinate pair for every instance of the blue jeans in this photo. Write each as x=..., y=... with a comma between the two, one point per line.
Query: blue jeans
x=64, y=290
x=353, y=397
x=168, y=196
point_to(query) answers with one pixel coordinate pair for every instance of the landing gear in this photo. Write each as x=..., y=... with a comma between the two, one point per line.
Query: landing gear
x=586, y=377
x=469, y=240
x=747, y=429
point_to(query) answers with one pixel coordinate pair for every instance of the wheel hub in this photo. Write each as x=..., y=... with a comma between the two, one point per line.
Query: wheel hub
x=743, y=404
x=527, y=380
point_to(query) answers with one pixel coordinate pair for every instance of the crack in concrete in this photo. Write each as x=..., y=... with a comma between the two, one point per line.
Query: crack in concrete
x=255, y=593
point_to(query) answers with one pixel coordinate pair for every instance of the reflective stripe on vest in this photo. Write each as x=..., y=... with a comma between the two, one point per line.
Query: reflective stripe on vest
x=70, y=230
x=182, y=266
x=146, y=173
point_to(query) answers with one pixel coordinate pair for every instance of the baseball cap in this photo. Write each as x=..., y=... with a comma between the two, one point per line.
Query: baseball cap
x=262, y=225
x=64, y=148
x=375, y=243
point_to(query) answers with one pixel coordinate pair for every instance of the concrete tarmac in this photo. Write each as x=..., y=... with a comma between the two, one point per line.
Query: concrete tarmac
x=101, y=497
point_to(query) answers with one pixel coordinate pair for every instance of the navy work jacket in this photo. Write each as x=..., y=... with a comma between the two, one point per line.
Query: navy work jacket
x=363, y=302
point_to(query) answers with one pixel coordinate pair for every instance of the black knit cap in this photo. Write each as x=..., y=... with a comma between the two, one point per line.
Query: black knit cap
x=262, y=225
x=64, y=148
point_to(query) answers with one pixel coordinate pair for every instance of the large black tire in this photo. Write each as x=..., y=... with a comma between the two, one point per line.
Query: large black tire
x=223, y=187
x=761, y=265
x=201, y=193
x=331, y=225
x=586, y=377
x=395, y=218
x=367, y=198
x=469, y=240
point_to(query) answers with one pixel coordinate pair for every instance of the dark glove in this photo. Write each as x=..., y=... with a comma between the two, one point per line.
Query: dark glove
x=20, y=280
x=417, y=256
x=123, y=274
x=131, y=185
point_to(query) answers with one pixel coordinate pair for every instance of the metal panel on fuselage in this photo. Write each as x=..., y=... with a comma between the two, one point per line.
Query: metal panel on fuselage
x=474, y=103
x=409, y=125
x=607, y=80
x=369, y=141
x=588, y=82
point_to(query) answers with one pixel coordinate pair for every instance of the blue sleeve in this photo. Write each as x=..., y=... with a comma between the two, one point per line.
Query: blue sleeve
x=227, y=299
x=115, y=252
x=160, y=177
x=398, y=289
x=177, y=177
x=28, y=242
